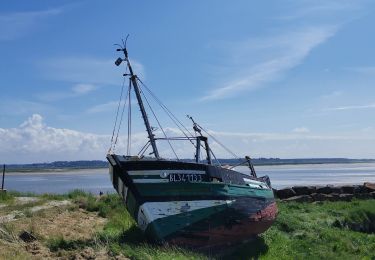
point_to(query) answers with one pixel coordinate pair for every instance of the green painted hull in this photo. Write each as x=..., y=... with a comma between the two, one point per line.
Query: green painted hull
x=197, y=214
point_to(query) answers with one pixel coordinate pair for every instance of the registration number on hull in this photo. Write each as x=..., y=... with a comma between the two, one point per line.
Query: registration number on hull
x=185, y=177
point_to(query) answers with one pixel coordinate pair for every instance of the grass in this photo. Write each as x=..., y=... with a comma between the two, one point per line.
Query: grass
x=361, y=218
x=6, y=197
x=7, y=233
x=326, y=230
x=120, y=234
x=308, y=231
x=58, y=243
x=302, y=231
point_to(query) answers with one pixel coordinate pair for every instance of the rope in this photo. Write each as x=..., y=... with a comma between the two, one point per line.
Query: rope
x=129, y=122
x=175, y=120
x=118, y=108
x=170, y=145
x=218, y=162
x=169, y=113
x=122, y=115
x=222, y=145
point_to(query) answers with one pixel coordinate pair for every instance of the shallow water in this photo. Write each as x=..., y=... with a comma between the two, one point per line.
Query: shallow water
x=96, y=180
x=317, y=174
x=93, y=180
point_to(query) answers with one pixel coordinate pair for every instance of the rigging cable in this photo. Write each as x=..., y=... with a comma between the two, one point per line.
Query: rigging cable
x=178, y=122
x=166, y=137
x=175, y=119
x=118, y=108
x=122, y=115
x=222, y=145
x=129, y=122
x=217, y=160
x=169, y=113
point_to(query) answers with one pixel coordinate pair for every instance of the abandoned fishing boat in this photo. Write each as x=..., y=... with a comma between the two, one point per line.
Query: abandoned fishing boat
x=194, y=203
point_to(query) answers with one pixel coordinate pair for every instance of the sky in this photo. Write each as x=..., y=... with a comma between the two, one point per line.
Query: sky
x=286, y=79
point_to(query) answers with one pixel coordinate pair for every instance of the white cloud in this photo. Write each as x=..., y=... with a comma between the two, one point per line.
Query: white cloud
x=293, y=136
x=332, y=95
x=90, y=70
x=15, y=25
x=76, y=91
x=282, y=53
x=301, y=130
x=368, y=129
x=295, y=145
x=83, y=88
x=312, y=9
x=105, y=107
x=34, y=141
x=16, y=107
x=355, y=107
x=305, y=25
x=110, y=106
x=369, y=70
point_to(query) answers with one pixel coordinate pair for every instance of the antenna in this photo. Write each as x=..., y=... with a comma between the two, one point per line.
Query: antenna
x=123, y=49
x=133, y=80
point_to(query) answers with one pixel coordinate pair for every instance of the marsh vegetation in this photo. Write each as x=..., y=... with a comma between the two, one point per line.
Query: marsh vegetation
x=90, y=226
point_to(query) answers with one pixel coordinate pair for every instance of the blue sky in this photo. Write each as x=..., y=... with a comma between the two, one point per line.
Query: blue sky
x=268, y=78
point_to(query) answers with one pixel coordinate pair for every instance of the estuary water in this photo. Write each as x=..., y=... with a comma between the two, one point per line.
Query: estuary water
x=96, y=180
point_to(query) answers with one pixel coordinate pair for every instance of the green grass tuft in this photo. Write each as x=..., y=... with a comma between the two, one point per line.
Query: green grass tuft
x=60, y=243
x=326, y=230
x=6, y=197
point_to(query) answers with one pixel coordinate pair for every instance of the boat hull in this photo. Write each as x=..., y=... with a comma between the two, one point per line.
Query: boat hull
x=195, y=212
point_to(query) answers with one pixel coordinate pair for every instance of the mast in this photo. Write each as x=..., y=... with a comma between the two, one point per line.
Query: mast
x=133, y=79
x=200, y=138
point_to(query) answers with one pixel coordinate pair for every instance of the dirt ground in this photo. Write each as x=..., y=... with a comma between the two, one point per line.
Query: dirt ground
x=45, y=223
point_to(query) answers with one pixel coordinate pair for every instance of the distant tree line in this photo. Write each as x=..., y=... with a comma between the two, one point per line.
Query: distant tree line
x=258, y=161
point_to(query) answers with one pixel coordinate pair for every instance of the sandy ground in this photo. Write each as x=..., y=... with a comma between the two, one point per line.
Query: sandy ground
x=50, y=220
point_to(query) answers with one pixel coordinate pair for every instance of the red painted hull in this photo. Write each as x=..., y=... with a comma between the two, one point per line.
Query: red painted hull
x=244, y=230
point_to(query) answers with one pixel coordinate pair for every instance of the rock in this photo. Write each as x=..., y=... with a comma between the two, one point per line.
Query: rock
x=325, y=197
x=372, y=194
x=303, y=190
x=359, y=189
x=324, y=190
x=285, y=193
x=336, y=189
x=317, y=197
x=346, y=197
x=363, y=196
x=369, y=186
x=347, y=189
x=27, y=237
x=335, y=197
x=300, y=198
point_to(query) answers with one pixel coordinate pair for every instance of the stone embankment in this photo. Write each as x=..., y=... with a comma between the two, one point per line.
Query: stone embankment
x=326, y=193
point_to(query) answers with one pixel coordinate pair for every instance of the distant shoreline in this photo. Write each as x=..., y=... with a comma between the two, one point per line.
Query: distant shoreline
x=50, y=170
x=67, y=169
